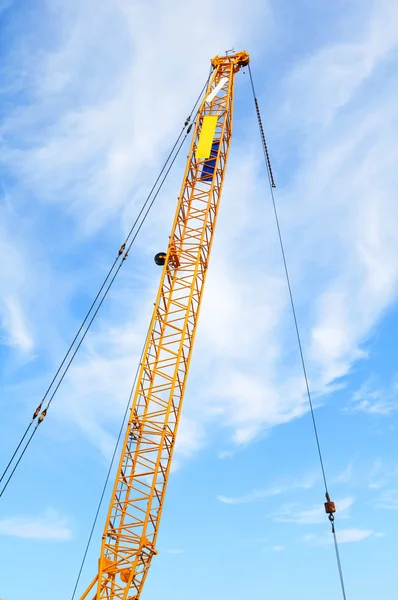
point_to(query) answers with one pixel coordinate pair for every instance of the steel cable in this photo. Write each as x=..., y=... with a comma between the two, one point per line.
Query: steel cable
x=298, y=335
x=122, y=255
x=108, y=473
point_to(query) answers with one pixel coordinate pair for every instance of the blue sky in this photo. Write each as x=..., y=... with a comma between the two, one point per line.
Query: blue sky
x=92, y=98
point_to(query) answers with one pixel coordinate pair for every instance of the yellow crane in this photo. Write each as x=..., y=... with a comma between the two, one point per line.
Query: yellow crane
x=132, y=523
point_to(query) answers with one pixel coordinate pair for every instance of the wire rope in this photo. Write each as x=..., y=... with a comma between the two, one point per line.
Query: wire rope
x=272, y=185
x=122, y=255
x=108, y=473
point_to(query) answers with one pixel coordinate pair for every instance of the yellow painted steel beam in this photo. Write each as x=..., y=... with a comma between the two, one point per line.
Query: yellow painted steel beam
x=206, y=136
x=132, y=522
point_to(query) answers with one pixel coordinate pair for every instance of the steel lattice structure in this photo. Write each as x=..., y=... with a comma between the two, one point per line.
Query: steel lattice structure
x=131, y=529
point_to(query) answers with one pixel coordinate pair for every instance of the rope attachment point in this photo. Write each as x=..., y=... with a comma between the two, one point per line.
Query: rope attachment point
x=36, y=413
x=330, y=509
x=42, y=416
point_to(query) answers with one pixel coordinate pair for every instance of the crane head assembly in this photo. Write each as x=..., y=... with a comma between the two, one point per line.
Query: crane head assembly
x=240, y=59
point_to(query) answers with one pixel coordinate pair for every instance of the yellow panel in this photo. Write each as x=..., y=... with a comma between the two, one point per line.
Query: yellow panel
x=206, y=136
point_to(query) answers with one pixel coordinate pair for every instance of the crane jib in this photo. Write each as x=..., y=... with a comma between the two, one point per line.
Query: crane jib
x=132, y=523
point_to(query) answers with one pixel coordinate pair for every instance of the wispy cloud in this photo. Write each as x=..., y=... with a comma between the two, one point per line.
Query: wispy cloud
x=374, y=400
x=378, y=474
x=48, y=526
x=304, y=483
x=355, y=535
x=344, y=536
x=190, y=439
x=92, y=159
x=16, y=290
x=14, y=324
x=388, y=500
x=99, y=143
x=225, y=454
x=345, y=476
x=290, y=513
x=109, y=143
x=340, y=69
x=274, y=548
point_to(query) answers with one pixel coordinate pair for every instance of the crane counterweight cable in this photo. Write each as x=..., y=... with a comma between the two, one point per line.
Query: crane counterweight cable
x=124, y=256
x=98, y=300
x=329, y=506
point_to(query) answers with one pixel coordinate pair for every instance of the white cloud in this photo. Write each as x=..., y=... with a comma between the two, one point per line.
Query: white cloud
x=344, y=536
x=338, y=226
x=14, y=324
x=375, y=401
x=225, y=454
x=190, y=439
x=341, y=250
x=345, y=476
x=96, y=390
x=251, y=497
x=290, y=514
x=324, y=83
x=353, y=535
x=15, y=282
x=49, y=526
x=388, y=500
x=305, y=483
x=274, y=548
x=111, y=141
x=381, y=473
x=113, y=137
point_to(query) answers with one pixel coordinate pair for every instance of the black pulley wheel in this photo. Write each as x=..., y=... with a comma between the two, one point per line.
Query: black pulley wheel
x=160, y=258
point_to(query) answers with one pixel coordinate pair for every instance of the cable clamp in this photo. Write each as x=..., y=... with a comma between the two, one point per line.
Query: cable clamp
x=41, y=418
x=330, y=507
x=37, y=411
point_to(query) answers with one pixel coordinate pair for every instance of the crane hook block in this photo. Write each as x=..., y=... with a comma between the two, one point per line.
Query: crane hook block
x=330, y=507
x=160, y=258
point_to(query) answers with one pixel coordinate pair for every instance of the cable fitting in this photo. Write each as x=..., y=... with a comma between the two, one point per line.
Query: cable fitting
x=330, y=507
x=43, y=414
x=121, y=249
x=264, y=142
x=187, y=121
x=36, y=412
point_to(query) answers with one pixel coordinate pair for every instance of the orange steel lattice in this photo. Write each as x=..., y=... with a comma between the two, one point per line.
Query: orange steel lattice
x=131, y=529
